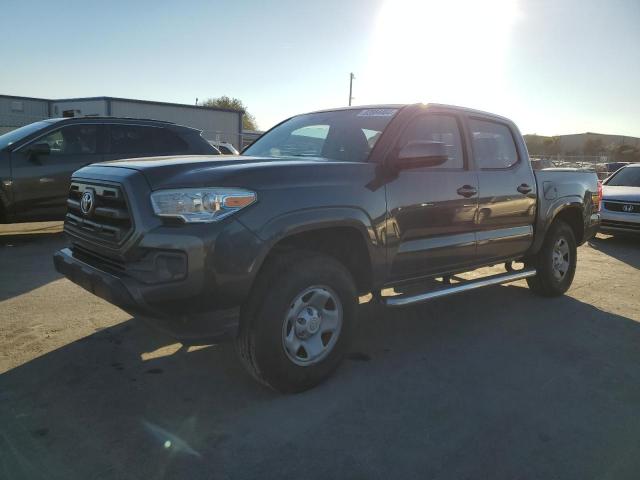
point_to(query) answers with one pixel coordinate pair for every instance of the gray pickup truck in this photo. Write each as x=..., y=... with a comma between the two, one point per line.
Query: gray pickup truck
x=273, y=247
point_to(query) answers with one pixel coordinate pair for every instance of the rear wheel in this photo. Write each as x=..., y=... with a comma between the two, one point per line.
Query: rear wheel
x=555, y=262
x=298, y=322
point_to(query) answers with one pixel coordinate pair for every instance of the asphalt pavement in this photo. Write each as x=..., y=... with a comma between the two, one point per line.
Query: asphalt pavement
x=492, y=384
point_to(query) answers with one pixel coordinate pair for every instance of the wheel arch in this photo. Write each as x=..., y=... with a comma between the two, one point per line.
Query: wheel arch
x=346, y=234
x=571, y=211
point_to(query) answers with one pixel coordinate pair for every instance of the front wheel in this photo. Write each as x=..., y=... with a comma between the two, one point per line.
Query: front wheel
x=298, y=322
x=555, y=262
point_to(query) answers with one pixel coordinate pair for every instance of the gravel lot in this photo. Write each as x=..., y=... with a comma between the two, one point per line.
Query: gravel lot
x=495, y=384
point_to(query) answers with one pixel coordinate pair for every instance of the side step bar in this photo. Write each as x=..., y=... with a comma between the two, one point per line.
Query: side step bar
x=403, y=300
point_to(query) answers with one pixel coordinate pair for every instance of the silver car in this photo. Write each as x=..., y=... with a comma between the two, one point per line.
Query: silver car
x=620, y=210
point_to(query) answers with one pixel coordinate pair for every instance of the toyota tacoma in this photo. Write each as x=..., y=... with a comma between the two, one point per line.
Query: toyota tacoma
x=274, y=247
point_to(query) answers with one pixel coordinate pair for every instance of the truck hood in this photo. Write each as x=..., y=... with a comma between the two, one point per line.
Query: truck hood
x=215, y=170
x=626, y=194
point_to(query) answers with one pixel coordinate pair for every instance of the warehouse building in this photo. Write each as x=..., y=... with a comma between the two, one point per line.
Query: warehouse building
x=216, y=123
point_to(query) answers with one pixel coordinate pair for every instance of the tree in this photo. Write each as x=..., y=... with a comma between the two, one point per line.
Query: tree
x=552, y=145
x=625, y=153
x=541, y=145
x=534, y=144
x=248, y=120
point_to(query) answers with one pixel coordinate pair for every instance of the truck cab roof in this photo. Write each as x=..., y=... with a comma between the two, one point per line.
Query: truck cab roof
x=429, y=106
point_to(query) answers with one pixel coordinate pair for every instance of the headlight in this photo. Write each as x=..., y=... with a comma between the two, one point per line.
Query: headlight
x=200, y=205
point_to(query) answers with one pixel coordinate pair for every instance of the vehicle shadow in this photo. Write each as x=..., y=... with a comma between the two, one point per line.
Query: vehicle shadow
x=26, y=257
x=625, y=248
x=491, y=384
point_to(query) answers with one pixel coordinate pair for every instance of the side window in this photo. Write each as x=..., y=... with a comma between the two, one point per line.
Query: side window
x=437, y=128
x=73, y=140
x=169, y=142
x=131, y=139
x=493, y=145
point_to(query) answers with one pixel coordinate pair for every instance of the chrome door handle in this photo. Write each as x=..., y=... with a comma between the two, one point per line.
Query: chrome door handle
x=524, y=188
x=467, y=191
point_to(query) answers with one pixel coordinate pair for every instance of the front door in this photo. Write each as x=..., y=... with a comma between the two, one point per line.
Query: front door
x=41, y=181
x=432, y=209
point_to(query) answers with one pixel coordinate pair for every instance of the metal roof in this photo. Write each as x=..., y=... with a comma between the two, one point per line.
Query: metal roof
x=119, y=99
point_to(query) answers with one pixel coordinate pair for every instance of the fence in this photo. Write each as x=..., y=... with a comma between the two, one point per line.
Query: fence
x=601, y=164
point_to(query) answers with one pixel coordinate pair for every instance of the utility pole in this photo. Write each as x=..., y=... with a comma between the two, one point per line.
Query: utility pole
x=351, y=77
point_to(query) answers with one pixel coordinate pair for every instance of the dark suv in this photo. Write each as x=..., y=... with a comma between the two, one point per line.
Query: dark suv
x=37, y=160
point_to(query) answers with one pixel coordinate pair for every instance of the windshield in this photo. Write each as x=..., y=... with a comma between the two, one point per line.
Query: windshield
x=19, y=133
x=344, y=135
x=626, y=177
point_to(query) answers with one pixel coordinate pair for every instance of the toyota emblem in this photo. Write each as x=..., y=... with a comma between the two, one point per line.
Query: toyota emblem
x=87, y=202
x=627, y=208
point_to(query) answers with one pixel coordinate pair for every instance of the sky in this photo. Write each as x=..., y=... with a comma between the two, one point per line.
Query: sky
x=553, y=66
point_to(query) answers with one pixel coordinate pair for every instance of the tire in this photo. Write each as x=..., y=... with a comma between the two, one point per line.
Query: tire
x=297, y=298
x=555, y=262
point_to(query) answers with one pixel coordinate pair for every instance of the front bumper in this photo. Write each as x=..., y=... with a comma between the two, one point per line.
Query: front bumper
x=592, y=227
x=189, y=279
x=129, y=295
x=619, y=222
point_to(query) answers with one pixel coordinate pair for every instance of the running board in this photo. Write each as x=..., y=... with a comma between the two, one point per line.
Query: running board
x=403, y=300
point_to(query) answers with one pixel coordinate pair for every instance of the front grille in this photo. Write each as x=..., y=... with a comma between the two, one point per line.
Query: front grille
x=622, y=206
x=624, y=225
x=108, y=220
x=90, y=257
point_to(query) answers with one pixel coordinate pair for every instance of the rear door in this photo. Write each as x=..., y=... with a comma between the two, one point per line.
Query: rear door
x=41, y=182
x=432, y=209
x=507, y=201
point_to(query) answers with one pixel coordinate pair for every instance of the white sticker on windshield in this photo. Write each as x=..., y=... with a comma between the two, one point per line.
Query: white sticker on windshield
x=378, y=112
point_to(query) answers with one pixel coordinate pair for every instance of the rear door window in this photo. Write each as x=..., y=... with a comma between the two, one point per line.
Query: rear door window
x=131, y=139
x=143, y=140
x=167, y=142
x=493, y=145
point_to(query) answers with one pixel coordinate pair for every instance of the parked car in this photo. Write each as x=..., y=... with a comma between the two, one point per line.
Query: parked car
x=225, y=148
x=621, y=201
x=274, y=247
x=613, y=167
x=37, y=160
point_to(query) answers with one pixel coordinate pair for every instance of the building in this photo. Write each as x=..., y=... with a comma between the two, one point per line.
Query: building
x=250, y=136
x=216, y=123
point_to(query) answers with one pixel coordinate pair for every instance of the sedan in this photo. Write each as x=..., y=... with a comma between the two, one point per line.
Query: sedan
x=620, y=210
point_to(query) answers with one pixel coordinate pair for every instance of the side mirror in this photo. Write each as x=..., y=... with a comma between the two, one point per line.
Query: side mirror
x=421, y=153
x=39, y=149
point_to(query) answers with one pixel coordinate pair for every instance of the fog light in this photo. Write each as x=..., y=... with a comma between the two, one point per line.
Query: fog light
x=171, y=267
